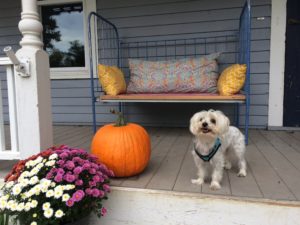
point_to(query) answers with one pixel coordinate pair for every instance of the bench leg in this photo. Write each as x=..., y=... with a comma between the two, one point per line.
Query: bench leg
x=247, y=120
x=237, y=115
x=94, y=115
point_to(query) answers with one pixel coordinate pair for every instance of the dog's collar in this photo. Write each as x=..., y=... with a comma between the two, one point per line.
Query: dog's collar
x=212, y=152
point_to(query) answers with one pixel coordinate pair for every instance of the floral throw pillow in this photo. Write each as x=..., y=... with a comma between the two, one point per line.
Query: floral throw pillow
x=174, y=76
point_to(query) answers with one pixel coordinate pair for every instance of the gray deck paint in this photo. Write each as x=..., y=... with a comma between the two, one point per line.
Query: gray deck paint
x=158, y=19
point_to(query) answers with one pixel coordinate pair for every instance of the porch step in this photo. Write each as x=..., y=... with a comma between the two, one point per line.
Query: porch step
x=147, y=207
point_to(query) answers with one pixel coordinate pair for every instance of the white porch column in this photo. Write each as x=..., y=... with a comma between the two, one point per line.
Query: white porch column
x=33, y=94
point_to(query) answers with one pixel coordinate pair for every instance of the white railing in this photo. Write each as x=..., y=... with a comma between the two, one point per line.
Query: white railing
x=13, y=152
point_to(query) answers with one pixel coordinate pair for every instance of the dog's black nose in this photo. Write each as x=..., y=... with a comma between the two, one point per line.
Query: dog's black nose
x=204, y=124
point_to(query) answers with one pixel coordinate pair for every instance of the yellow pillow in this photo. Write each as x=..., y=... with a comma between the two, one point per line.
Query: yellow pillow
x=232, y=79
x=111, y=79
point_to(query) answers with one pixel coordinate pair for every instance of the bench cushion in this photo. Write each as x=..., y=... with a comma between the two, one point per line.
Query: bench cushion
x=174, y=76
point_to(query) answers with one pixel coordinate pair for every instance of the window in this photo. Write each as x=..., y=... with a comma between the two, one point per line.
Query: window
x=65, y=36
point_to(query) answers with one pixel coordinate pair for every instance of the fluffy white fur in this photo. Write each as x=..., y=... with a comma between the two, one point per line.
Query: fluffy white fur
x=206, y=126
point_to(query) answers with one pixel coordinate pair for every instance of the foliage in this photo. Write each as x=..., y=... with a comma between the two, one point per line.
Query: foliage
x=57, y=186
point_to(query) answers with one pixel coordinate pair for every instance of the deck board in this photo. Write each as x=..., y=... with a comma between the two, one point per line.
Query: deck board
x=287, y=172
x=273, y=159
x=268, y=181
x=166, y=175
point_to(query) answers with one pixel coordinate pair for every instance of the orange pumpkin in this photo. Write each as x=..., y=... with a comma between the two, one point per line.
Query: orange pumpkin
x=123, y=148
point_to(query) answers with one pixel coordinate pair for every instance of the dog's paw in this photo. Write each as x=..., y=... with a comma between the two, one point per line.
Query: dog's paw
x=214, y=185
x=227, y=165
x=242, y=173
x=198, y=181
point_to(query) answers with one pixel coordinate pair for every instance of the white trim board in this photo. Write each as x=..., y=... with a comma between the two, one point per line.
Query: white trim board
x=277, y=63
x=75, y=72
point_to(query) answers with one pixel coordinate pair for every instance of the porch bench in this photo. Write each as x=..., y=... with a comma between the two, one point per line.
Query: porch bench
x=114, y=51
x=172, y=97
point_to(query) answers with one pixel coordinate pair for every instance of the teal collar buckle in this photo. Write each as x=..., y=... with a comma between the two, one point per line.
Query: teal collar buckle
x=212, y=152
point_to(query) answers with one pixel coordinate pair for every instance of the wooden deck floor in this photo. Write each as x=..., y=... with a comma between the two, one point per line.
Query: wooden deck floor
x=273, y=163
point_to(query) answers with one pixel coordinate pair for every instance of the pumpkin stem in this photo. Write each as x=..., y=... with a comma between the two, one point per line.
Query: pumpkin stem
x=120, y=120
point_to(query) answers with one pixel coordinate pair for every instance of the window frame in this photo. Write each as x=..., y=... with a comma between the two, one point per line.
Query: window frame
x=74, y=72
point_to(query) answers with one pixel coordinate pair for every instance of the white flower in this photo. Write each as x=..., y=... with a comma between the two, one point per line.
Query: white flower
x=9, y=184
x=14, y=206
x=50, y=163
x=48, y=213
x=34, y=171
x=46, y=206
x=17, y=189
x=58, y=193
x=39, y=159
x=10, y=204
x=37, y=189
x=49, y=193
x=20, y=206
x=45, y=182
x=33, y=223
x=59, y=213
x=40, y=165
x=33, y=203
x=53, y=156
x=33, y=180
x=24, y=182
x=66, y=197
x=69, y=187
x=44, y=188
x=27, y=206
x=3, y=204
x=53, y=184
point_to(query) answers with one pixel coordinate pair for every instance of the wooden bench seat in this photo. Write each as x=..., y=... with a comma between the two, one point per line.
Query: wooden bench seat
x=172, y=97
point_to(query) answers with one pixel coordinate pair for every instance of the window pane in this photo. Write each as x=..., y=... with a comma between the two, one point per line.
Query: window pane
x=63, y=34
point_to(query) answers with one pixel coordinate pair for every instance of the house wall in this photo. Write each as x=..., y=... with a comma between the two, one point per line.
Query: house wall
x=144, y=19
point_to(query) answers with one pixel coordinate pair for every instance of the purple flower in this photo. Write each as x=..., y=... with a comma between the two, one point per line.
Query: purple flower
x=103, y=211
x=106, y=187
x=70, y=202
x=89, y=191
x=86, y=166
x=69, y=178
x=60, y=171
x=92, y=183
x=58, y=178
x=101, y=194
x=60, y=162
x=77, y=170
x=78, y=182
x=49, y=176
x=70, y=165
x=92, y=171
x=95, y=192
x=96, y=178
x=64, y=155
x=78, y=195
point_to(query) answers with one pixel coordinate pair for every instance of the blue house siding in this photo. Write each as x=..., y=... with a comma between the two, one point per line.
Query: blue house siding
x=161, y=19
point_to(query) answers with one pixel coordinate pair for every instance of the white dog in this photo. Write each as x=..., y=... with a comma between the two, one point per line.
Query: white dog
x=216, y=144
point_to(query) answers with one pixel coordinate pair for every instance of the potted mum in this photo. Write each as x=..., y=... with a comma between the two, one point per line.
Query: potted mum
x=58, y=186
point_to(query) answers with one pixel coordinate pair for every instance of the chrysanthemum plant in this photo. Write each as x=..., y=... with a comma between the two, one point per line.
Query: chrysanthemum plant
x=57, y=186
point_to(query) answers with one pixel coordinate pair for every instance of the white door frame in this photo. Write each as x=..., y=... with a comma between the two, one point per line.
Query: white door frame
x=277, y=63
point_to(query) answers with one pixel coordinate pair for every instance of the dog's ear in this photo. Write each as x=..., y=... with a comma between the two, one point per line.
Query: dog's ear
x=194, y=127
x=223, y=122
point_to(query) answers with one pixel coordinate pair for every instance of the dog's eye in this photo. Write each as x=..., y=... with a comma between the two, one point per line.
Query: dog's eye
x=213, y=121
x=201, y=119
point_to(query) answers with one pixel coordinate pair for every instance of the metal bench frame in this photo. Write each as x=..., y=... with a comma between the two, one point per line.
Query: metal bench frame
x=110, y=35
